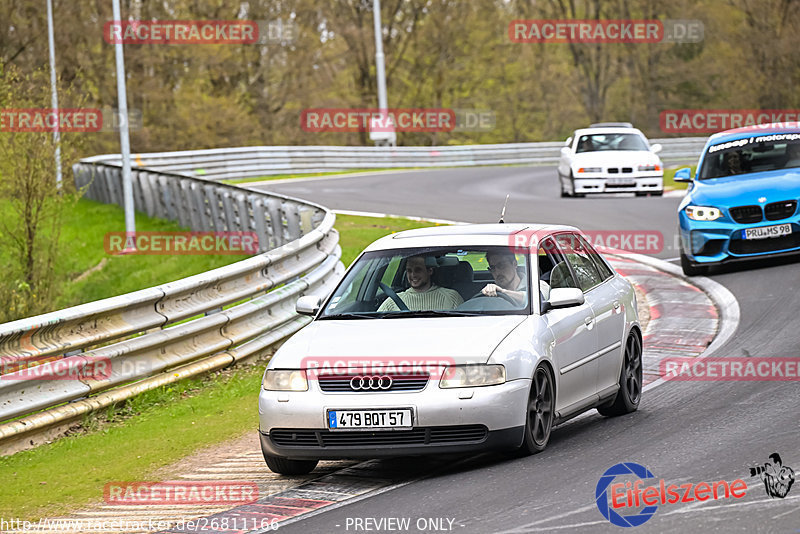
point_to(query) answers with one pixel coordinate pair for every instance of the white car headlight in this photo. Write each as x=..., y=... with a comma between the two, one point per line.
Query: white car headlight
x=649, y=168
x=464, y=376
x=284, y=380
x=703, y=213
x=590, y=169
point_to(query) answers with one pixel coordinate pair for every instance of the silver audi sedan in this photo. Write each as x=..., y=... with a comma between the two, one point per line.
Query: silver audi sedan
x=453, y=339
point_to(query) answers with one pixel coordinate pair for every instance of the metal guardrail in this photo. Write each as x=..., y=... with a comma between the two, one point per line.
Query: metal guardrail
x=163, y=334
x=250, y=162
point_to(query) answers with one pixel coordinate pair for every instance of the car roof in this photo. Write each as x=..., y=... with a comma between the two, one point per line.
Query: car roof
x=468, y=235
x=608, y=129
x=757, y=129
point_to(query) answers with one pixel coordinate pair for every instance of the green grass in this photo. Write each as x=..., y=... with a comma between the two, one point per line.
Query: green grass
x=149, y=432
x=669, y=175
x=155, y=429
x=82, y=248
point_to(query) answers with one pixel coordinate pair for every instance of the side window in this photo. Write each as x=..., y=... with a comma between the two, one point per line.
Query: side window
x=602, y=267
x=553, y=269
x=580, y=259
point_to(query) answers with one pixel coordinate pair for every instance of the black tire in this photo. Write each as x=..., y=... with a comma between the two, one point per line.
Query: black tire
x=540, y=412
x=572, y=181
x=630, y=381
x=690, y=269
x=285, y=466
x=564, y=192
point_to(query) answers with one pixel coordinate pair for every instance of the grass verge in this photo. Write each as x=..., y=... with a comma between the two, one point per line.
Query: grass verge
x=669, y=177
x=131, y=441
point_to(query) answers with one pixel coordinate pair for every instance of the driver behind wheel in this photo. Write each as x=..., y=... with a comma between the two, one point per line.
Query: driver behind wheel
x=503, y=266
x=423, y=293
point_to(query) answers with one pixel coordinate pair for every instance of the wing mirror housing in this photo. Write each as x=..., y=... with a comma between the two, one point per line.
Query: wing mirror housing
x=656, y=148
x=683, y=175
x=564, y=297
x=308, y=305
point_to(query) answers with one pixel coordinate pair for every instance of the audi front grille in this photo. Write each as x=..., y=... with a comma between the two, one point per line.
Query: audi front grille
x=780, y=210
x=344, y=384
x=442, y=435
x=747, y=214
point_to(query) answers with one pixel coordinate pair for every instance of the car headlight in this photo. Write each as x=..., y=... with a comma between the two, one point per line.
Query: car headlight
x=284, y=380
x=590, y=169
x=464, y=376
x=649, y=168
x=703, y=213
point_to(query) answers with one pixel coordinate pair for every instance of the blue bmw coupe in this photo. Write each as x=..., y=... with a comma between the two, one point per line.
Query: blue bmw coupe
x=742, y=204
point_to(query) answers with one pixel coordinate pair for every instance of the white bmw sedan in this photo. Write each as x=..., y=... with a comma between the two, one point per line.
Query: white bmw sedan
x=610, y=158
x=453, y=339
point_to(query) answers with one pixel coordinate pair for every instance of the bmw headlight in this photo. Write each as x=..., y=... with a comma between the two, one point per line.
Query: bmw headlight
x=703, y=213
x=649, y=168
x=590, y=169
x=284, y=380
x=464, y=376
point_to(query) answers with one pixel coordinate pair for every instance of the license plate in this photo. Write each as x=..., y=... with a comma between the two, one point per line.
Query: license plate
x=763, y=232
x=400, y=418
x=620, y=181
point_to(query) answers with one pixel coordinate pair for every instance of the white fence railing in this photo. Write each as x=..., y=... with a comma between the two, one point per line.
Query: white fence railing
x=63, y=364
x=249, y=162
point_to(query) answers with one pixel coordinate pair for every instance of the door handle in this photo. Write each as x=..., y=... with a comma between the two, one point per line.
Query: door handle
x=588, y=321
x=616, y=305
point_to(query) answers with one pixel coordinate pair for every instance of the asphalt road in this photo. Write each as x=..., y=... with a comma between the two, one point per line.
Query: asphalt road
x=684, y=432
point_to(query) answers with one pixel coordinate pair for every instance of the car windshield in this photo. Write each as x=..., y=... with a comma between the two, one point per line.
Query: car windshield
x=754, y=154
x=610, y=141
x=432, y=282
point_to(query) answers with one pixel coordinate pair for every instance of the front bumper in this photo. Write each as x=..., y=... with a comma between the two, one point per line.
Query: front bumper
x=629, y=184
x=499, y=410
x=297, y=444
x=720, y=241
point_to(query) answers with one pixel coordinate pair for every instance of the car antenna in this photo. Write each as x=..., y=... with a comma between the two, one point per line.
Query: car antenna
x=503, y=213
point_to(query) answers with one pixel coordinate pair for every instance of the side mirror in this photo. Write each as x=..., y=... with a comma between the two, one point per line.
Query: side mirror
x=568, y=142
x=656, y=148
x=565, y=151
x=308, y=305
x=564, y=297
x=683, y=175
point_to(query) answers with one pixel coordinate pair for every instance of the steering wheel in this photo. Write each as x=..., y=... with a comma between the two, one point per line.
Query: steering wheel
x=504, y=296
x=392, y=295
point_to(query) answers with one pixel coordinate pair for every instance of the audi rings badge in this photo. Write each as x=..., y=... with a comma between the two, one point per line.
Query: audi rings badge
x=374, y=383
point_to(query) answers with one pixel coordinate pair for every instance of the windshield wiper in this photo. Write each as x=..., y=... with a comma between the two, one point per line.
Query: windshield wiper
x=353, y=315
x=431, y=313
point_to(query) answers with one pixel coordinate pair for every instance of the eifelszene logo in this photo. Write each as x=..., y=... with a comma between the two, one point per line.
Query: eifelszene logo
x=614, y=498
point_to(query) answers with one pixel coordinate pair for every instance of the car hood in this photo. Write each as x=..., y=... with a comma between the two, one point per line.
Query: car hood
x=747, y=189
x=464, y=339
x=616, y=158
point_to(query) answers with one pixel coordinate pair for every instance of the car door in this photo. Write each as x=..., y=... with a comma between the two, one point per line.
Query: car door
x=574, y=337
x=608, y=303
x=596, y=281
